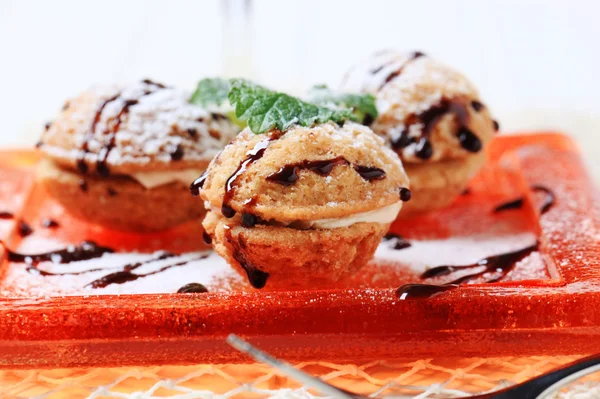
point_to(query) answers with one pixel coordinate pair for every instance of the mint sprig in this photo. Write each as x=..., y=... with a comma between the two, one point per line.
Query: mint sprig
x=265, y=109
x=362, y=105
x=211, y=91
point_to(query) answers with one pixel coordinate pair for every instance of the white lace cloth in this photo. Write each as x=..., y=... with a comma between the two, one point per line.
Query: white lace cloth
x=420, y=379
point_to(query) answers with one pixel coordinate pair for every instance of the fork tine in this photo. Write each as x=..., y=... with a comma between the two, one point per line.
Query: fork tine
x=288, y=369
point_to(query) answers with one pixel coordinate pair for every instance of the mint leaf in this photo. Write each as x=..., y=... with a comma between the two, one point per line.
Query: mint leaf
x=361, y=105
x=211, y=91
x=265, y=109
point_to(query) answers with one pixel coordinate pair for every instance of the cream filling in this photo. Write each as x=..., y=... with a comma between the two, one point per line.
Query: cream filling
x=384, y=215
x=155, y=179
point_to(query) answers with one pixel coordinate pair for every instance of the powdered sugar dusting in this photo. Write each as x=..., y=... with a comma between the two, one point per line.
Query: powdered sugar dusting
x=160, y=121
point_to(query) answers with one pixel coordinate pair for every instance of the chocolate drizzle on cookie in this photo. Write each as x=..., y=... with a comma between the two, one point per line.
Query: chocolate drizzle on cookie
x=497, y=265
x=288, y=174
x=252, y=156
x=111, y=130
x=197, y=185
x=429, y=119
x=256, y=277
x=398, y=71
x=405, y=194
x=206, y=238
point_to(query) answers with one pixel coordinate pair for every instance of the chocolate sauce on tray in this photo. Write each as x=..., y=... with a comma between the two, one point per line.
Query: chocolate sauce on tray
x=192, y=288
x=514, y=204
x=496, y=125
x=6, y=215
x=24, y=229
x=400, y=243
x=197, y=185
x=502, y=264
x=73, y=253
x=50, y=223
x=422, y=291
x=518, y=203
x=206, y=238
x=548, y=199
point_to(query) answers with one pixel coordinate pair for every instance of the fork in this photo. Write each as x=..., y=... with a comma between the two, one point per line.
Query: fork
x=536, y=388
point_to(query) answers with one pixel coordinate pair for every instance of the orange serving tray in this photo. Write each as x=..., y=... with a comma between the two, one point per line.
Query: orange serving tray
x=547, y=305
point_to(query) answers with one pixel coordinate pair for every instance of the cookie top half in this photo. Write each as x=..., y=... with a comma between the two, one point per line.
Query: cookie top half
x=305, y=173
x=427, y=110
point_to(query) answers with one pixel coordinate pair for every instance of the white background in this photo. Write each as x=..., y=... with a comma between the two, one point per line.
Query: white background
x=537, y=63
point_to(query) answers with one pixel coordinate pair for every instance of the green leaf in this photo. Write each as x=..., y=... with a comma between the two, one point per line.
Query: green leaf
x=362, y=105
x=265, y=109
x=211, y=91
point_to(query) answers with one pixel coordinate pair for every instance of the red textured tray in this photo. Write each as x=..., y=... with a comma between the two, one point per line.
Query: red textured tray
x=547, y=305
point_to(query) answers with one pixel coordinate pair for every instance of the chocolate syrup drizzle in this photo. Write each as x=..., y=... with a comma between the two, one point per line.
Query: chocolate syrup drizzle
x=256, y=277
x=514, y=204
x=73, y=253
x=6, y=215
x=422, y=291
x=429, y=119
x=197, y=185
x=549, y=198
x=192, y=288
x=399, y=242
x=206, y=238
x=397, y=72
x=125, y=275
x=518, y=203
x=111, y=131
x=501, y=265
x=288, y=174
x=405, y=194
x=24, y=229
x=90, y=250
x=252, y=156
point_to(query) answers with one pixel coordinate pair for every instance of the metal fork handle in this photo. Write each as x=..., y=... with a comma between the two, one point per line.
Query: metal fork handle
x=545, y=384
